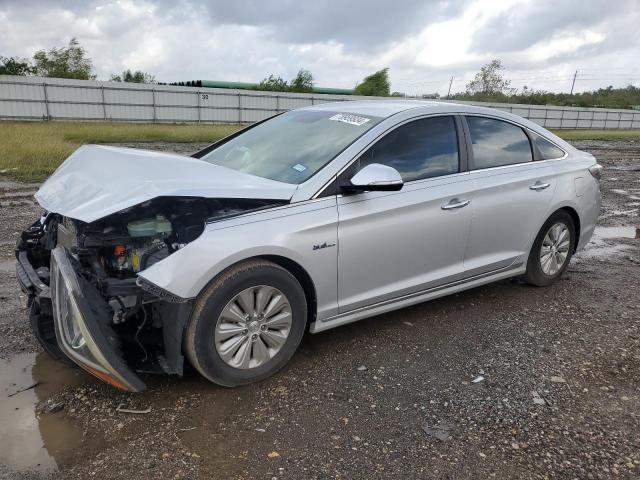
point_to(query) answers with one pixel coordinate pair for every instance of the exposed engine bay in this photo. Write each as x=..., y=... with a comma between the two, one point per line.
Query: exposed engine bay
x=144, y=325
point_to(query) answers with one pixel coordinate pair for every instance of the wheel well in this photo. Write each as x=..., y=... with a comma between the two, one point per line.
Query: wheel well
x=576, y=222
x=303, y=277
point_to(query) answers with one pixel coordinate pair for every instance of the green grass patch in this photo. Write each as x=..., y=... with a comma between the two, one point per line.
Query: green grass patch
x=598, y=134
x=30, y=151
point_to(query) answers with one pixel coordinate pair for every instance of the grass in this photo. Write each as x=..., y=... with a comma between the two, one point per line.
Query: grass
x=30, y=151
x=598, y=134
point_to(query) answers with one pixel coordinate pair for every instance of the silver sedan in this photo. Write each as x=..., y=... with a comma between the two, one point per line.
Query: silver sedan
x=308, y=220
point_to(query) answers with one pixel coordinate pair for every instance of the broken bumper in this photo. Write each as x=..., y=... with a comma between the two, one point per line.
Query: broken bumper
x=81, y=318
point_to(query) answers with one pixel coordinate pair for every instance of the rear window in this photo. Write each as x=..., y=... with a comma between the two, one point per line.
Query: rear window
x=548, y=150
x=496, y=143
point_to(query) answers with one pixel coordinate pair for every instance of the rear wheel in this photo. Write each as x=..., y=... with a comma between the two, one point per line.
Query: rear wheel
x=247, y=324
x=551, y=250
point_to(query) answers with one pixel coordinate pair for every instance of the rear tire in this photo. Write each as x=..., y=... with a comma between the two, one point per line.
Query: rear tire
x=246, y=324
x=552, y=250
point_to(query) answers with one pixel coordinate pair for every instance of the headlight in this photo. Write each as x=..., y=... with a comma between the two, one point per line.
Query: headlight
x=80, y=337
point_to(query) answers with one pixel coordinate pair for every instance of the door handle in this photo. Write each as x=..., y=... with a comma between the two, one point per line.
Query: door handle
x=539, y=186
x=455, y=203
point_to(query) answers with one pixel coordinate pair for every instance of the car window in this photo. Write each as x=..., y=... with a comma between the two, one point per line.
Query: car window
x=420, y=149
x=496, y=143
x=548, y=150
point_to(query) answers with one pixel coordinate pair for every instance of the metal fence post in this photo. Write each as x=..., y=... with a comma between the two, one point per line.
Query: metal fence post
x=277, y=103
x=104, y=106
x=199, y=94
x=46, y=101
x=239, y=108
x=153, y=101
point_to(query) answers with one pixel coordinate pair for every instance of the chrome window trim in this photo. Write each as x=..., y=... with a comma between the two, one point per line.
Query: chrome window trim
x=524, y=127
x=511, y=165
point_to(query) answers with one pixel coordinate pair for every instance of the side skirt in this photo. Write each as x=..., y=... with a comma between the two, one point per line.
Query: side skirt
x=415, y=298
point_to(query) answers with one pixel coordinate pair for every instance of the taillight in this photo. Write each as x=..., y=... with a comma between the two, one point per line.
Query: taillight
x=596, y=171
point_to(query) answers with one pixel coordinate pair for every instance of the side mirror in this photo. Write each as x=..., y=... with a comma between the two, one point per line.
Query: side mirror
x=375, y=178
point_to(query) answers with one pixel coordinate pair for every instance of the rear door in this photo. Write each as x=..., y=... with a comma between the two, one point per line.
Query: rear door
x=396, y=243
x=511, y=194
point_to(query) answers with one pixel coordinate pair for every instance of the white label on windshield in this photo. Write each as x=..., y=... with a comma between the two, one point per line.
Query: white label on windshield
x=350, y=119
x=299, y=167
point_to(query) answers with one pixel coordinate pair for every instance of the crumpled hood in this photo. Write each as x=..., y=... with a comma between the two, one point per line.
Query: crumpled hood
x=96, y=181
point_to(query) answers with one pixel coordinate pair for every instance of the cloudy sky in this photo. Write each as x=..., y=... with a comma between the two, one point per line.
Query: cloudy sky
x=423, y=42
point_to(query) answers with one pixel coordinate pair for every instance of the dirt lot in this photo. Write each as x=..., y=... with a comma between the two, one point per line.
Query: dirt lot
x=388, y=397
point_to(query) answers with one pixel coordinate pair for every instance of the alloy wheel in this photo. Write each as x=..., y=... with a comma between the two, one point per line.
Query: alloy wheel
x=253, y=327
x=555, y=249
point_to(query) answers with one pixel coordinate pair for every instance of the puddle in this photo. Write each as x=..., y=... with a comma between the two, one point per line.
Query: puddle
x=8, y=265
x=615, y=232
x=603, y=242
x=29, y=440
x=625, y=169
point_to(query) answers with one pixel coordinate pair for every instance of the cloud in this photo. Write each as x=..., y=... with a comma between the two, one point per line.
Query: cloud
x=424, y=43
x=358, y=24
x=527, y=23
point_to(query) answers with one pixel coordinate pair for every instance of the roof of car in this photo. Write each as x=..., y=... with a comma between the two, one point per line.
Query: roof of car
x=386, y=108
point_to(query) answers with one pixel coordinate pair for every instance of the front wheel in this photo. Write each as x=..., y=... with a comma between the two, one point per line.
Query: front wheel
x=551, y=250
x=246, y=324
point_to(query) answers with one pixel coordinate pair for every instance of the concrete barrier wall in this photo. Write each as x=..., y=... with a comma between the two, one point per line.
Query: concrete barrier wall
x=38, y=98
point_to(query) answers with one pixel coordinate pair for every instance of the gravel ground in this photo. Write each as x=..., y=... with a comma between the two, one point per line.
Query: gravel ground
x=388, y=397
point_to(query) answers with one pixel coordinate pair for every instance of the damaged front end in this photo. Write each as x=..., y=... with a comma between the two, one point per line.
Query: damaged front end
x=87, y=303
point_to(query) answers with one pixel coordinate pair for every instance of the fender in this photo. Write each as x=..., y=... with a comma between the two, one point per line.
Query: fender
x=292, y=231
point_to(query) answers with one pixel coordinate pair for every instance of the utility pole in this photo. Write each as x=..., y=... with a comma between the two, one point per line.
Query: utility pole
x=574, y=82
x=449, y=92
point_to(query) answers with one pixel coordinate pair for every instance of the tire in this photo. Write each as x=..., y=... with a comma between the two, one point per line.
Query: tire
x=542, y=271
x=205, y=342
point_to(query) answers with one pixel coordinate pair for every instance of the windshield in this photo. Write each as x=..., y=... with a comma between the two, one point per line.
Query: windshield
x=293, y=146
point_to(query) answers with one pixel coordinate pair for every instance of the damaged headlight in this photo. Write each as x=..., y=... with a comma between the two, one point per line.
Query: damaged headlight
x=80, y=337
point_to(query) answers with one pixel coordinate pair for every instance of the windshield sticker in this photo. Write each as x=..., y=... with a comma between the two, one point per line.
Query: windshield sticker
x=350, y=119
x=299, y=167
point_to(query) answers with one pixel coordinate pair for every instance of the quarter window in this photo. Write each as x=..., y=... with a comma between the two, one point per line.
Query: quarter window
x=420, y=149
x=548, y=151
x=496, y=143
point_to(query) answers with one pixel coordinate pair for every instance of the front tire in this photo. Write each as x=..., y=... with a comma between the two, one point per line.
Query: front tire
x=552, y=250
x=246, y=324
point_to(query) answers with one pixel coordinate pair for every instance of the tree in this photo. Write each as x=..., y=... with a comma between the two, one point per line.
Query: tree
x=15, y=66
x=376, y=84
x=65, y=62
x=489, y=81
x=303, y=83
x=133, y=77
x=273, y=84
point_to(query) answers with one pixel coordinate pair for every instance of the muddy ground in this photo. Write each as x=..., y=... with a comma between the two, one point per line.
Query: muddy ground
x=388, y=397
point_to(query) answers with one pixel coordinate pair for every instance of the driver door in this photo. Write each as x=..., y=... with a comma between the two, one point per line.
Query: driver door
x=398, y=243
